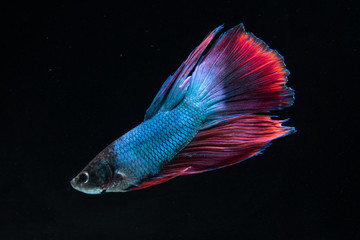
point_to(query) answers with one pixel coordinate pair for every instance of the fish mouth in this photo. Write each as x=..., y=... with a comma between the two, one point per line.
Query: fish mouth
x=73, y=184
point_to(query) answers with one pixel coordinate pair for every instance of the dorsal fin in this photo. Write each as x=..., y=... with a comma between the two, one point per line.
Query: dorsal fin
x=174, y=88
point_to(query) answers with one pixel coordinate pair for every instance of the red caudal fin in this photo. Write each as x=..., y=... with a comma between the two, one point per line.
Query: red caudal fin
x=240, y=75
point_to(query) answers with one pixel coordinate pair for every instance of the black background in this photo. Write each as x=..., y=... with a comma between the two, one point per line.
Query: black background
x=78, y=76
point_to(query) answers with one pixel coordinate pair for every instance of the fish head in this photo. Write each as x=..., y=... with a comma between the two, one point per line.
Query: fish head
x=95, y=178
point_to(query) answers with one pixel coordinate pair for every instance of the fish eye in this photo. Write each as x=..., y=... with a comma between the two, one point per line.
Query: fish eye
x=84, y=177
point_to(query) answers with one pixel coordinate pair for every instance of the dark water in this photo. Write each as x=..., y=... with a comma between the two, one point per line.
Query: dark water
x=78, y=76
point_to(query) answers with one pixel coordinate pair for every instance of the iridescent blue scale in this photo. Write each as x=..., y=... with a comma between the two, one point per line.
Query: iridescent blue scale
x=143, y=150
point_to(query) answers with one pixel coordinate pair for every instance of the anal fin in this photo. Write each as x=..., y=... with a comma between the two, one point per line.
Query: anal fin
x=223, y=144
x=163, y=178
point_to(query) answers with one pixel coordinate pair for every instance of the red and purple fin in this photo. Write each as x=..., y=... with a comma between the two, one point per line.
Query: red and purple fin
x=240, y=75
x=236, y=80
x=227, y=143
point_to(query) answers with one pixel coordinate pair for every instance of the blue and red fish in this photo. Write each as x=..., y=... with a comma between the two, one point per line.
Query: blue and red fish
x=208, y=115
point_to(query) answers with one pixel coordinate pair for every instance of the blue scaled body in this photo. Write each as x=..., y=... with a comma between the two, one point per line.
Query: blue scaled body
x=142, y=151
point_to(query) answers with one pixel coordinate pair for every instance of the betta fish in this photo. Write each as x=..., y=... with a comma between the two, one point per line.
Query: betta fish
x=211, y=113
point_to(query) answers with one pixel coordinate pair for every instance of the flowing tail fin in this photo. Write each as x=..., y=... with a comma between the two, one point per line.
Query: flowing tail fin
x=240, y=75
x=236, y=80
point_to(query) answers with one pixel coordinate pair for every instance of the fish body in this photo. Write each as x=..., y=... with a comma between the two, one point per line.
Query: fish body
x=203, y=118
x=152, y=144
